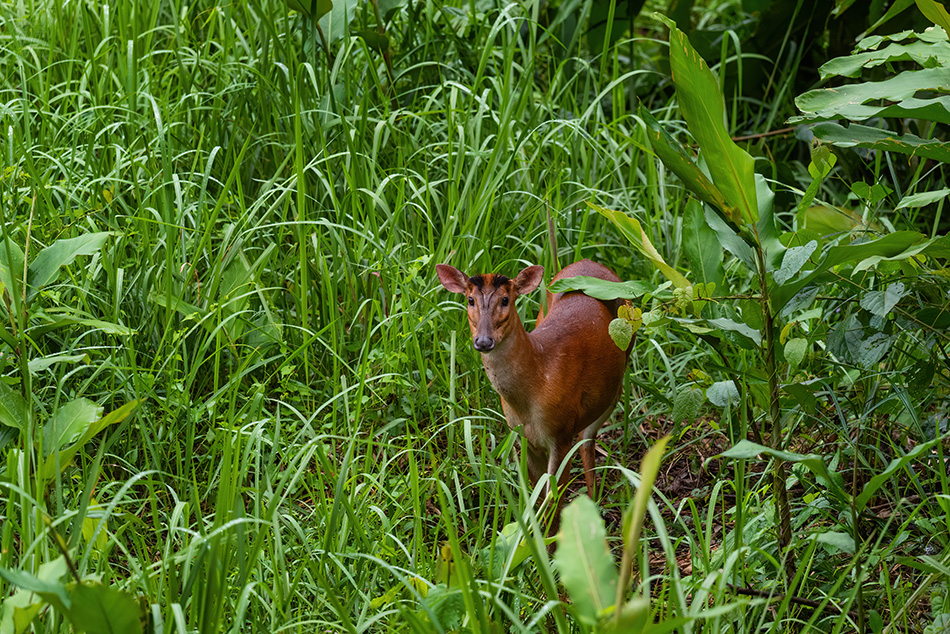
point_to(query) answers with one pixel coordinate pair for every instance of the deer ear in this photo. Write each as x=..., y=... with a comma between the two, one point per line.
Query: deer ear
x=529, y=279
x=452, y=278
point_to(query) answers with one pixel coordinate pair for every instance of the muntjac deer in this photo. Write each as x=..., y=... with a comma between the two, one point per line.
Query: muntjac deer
x=562, y=379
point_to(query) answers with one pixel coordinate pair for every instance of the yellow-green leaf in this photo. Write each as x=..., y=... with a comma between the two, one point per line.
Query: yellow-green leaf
x=630, y=228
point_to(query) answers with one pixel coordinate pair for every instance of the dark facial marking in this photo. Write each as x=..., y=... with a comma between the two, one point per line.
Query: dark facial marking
x=479, y=281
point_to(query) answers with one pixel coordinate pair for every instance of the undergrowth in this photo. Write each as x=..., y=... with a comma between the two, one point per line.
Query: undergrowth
x=234, y=399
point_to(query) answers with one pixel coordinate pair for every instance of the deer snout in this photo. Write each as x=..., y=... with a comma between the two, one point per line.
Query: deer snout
x=484, y=343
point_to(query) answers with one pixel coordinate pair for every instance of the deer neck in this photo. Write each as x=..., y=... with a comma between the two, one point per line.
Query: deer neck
x=513, y=367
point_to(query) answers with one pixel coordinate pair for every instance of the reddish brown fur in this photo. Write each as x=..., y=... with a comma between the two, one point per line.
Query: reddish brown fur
x=560, y=380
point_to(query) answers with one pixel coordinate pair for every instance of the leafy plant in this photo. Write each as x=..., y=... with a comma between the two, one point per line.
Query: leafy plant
x=77, y=421
x=788, y=272
x=914, y=95
x=88, y=605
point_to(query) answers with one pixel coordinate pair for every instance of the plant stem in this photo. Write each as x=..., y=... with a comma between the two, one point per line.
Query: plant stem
x=782, y=512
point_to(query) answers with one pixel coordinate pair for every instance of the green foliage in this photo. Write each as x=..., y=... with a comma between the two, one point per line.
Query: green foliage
x=88, y=605
x=900, y=96
x=587, y=568
x=704, y=110
x=230, y=393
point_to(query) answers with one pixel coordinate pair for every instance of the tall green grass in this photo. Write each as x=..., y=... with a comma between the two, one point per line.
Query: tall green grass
x=315, y=446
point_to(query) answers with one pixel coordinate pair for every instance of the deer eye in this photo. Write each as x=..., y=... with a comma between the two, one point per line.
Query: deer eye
x=504, y=301
x=471, y=300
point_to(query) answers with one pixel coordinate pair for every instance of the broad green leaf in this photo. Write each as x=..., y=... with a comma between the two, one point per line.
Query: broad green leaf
x=65, y=316
x=630, y=228
x=686, y=404
x=105, y=326
x=872, y=194
x=802, y=299
x=375, y=40
x=510, y=550
x=632, y=618
x=921, y=374
x=936, y=13
x=676, y=158
x=7, y=435
x=734, y=326
x=766, y=231
x=99, y=609
x=723, y=393
x=746, y=449
x=621, y=331
x=50, y=589
x=66, y=455
x=802, y=397
x=876, y=139
x=68, y=423
x=185, y=309
x=822, y=162
x=938, y=247
x=730, y=240
x=873, y=42
x=895, y=465
x=926, y=54
x=602, y=289
x=39, y=364
x=795, y=258
x=858, y=102
x=335, y=23
x=842, y=541
x=922, y=199
x=795, y=351
x=5, y=335
x=891, y=245
x=311, y=8
x=881, y=303
x=938, y=318
x=23, y=615
x=701, y=246
x=867, y=347
x=584, y=561
x=11, y=267
x=45, y=268
x=830, y=221
x=12, y=408
x=447, y=604
x=19, y=609
x=385, y=6
x=700, y=101
x=913, y=251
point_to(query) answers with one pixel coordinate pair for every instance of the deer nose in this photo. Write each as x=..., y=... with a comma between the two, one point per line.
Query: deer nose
x=484, y=343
